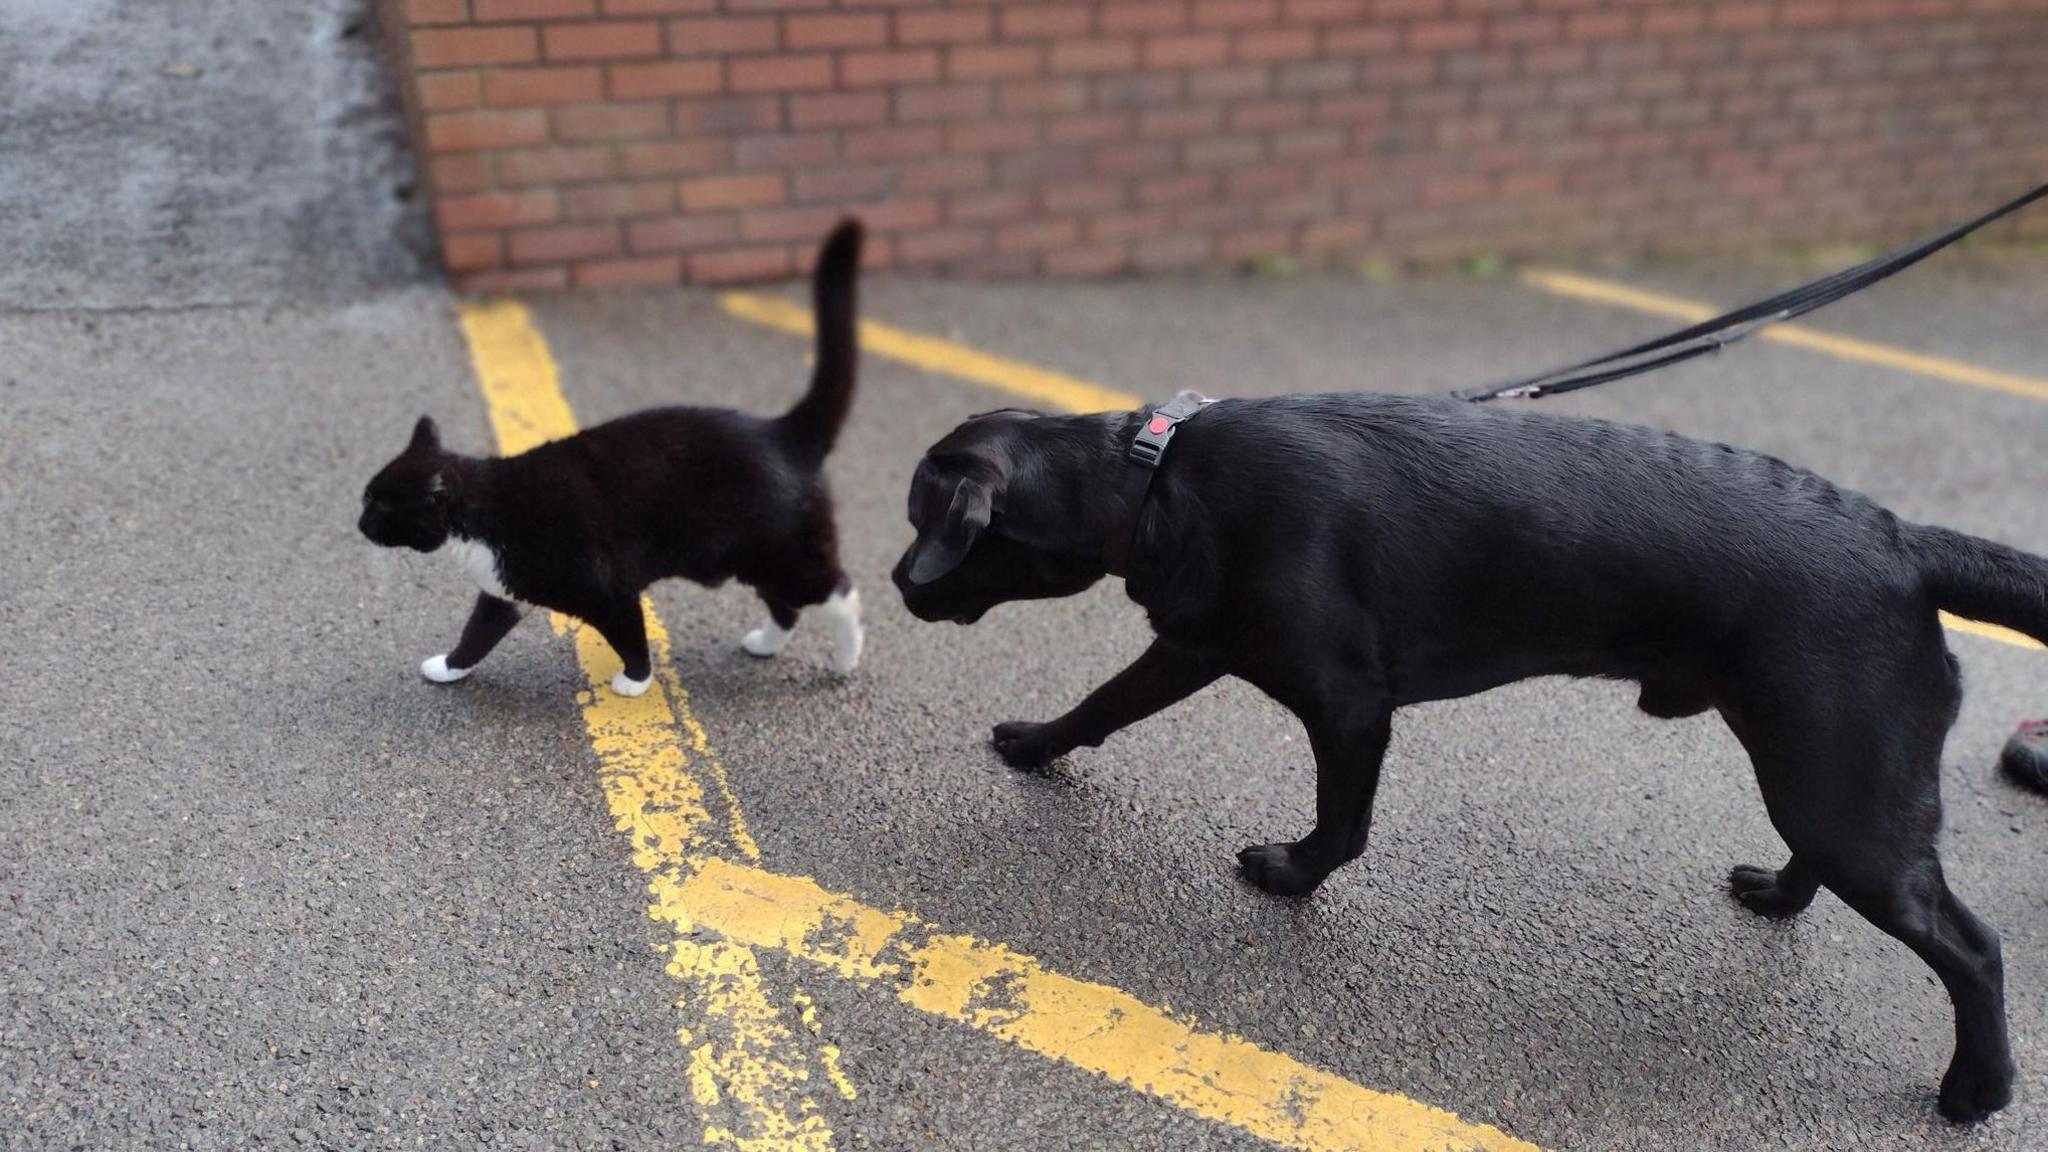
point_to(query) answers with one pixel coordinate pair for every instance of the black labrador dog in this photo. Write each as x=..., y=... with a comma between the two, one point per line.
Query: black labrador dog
x=1349, y=554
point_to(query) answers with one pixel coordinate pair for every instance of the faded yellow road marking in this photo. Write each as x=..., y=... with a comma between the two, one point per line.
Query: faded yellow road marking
x=946, y=357
x=1996, y=632
x=1093, y=1026
x=1843, y=347
x=704, y=878
x=750, y=1070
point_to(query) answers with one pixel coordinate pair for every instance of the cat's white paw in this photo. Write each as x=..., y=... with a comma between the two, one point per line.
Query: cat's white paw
x=767, y=640
x=842, y=612
x=436, y=668
x=625, y=685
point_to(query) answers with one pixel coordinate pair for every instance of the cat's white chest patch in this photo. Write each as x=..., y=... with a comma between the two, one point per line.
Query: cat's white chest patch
x=477, y=559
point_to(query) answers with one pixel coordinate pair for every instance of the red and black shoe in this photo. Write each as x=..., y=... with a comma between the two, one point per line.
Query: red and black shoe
x=2025, y=759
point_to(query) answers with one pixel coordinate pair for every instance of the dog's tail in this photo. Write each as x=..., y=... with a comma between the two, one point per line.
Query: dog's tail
x=814, y=423
x=1980, y=580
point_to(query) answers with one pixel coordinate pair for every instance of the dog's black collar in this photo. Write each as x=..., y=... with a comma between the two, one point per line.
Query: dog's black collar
x=1147, y=449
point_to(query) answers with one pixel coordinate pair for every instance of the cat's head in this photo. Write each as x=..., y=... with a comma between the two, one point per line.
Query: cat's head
x=406, y=504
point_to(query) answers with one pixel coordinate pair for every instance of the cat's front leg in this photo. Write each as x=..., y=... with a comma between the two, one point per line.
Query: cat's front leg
x=489, y=621
x=625, y=629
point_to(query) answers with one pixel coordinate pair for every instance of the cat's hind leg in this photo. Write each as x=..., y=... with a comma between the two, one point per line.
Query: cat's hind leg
x=773, y=635
x=625, y=629
x=489, y=621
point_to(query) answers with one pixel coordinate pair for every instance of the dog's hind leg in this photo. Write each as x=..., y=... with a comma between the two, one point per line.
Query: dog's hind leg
x=1776, y=894
x=1350, y=743
x=773, y=635
x=1849, y=766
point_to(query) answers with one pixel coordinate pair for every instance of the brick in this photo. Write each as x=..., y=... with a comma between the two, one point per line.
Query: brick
x=741, y=265
x=1002, y=61
x=657, y=7
x=982, y=207
x=892, y=143
x=459, y=172
x=753, y=190
x=674, y=157
x=1022, y=21
x=785, y=150
x=836, y=30
x=514, y=280
x=841, y=182
x=493, y=10
x=602, y=40
x=679, y=233
x=473, y=251
x=765, y=224
x=902, y=215
x=1276, y=44
x=1144, y=16
x=718, y=36
x=941, y=245
x=1037, y=235
x=838, y=109
x=974, y=137
x=1229, y=82
x=481, y=210
x=727, y=115
x=1087, y=260
x=1191, y=51
x=514, y=86
x=436, y=11
x=554, y=165
x=668, y=78
x=1322, y=11
x=610, y=121
x=1084, y=196
x=1168, y=252
x=1440, y=35
x=1181, y=122
x=944, y=26
x=1072, y=56
x=786, y=73
x=866, y=68
x=440, y=91
x=1163, y=191
x=1268, y=115
x=563, y=242
x=1224, y=152
x=1041, y=167
x=943, y=102
x=470, y=131
x=944, y=174
x=626, y=271
x=472, y=47
x=618, y=201
x=1089, y=128
x=1044, y=95
x=1235, y=13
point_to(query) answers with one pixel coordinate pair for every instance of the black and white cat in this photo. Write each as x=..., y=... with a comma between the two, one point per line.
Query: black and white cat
x=584, y=524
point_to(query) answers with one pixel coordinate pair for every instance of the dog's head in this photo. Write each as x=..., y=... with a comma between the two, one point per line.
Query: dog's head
x=1006, y=507
x=406, y=504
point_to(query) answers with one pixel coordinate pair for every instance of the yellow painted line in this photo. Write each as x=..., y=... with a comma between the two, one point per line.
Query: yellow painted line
x=946, y=357
x=1842, y=347
x=752, y=1071
x=1996, y=632
x=1092, y=1026
x=705, y=879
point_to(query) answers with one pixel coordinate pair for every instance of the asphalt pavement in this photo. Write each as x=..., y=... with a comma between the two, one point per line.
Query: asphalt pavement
x=263, y=887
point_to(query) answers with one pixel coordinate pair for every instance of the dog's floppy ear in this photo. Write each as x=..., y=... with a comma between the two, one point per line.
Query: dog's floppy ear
x=941, y=547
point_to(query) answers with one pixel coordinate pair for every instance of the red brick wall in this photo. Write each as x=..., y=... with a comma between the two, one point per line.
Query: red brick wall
x=653, y=141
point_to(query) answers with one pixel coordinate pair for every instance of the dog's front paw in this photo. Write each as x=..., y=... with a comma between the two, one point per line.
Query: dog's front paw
x=1276, y=868
x=1023, y=744
x=436, y=668
x=1971, y=1092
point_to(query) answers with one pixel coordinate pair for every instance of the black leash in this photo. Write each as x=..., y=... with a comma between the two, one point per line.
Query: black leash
x=1712, y=335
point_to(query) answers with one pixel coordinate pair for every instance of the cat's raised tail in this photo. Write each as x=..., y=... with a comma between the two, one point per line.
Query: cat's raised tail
x=835, y=292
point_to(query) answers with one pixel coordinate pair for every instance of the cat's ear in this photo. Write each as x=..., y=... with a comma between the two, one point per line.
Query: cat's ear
x=945, y=544
x=426, y=437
